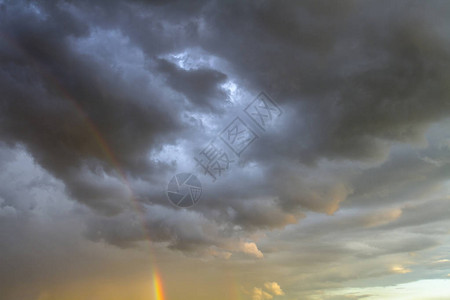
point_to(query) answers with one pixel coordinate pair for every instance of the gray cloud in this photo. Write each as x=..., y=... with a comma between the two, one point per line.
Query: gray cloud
x=114, y=98
x=359, y=87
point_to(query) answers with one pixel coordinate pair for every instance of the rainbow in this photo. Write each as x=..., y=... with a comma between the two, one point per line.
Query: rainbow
x=158, y=288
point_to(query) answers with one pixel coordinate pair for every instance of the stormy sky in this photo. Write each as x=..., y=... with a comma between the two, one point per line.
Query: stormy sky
x=344, y=195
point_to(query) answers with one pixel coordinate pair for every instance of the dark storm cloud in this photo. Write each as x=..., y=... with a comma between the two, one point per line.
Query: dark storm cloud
x=51, y=95
x=356, y=77
x=365, y=72
x=352, y=77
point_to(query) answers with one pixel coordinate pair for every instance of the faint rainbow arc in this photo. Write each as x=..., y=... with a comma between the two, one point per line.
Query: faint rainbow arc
x=158, y=288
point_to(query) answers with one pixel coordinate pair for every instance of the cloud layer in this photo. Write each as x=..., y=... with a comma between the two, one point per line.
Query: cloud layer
x=102, y=103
